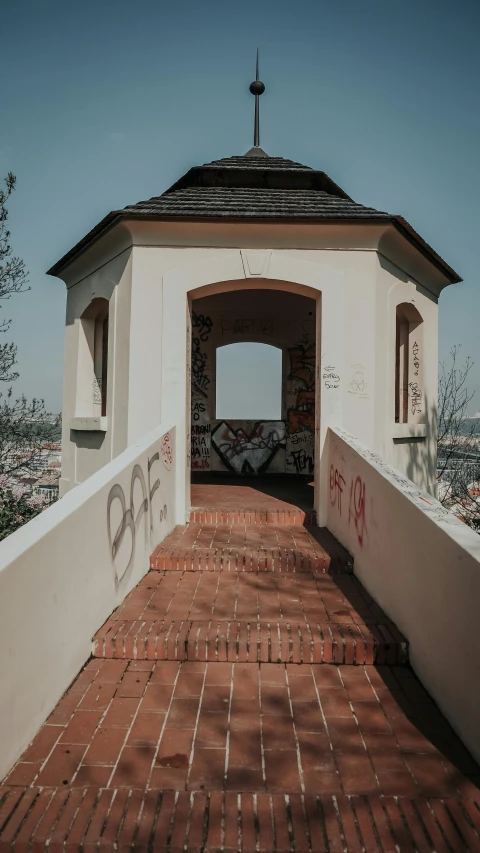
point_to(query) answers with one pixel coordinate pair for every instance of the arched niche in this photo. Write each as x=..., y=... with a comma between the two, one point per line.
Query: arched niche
x=92, y=372
x=409, y=393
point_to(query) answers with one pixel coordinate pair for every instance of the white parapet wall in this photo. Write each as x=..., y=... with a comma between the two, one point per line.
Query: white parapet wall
x=63, y=573
x=421, y=564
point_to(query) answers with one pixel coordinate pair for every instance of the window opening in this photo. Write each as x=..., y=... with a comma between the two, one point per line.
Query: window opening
x=249, y=382
x=93, y=360
x=409, y=398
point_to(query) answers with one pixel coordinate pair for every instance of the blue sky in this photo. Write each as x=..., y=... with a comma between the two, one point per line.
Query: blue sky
x=106, y=102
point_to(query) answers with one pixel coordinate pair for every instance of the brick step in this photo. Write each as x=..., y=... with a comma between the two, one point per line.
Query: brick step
x=251, y=548
x=95, y=818
x=248, y=642
x=290, y=516
x=246, y=560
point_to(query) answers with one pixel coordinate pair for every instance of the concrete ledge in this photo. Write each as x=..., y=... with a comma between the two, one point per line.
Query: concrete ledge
x=404, y=431
x=89, y=424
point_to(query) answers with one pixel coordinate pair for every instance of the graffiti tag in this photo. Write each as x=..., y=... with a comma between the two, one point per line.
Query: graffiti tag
x=415, y=397
x=167, y=451
x=248, y=453
x=356, y=509
x=416, y=360
x=133, y=513
x=247, y=326
x=357, y=502
x=337, y=483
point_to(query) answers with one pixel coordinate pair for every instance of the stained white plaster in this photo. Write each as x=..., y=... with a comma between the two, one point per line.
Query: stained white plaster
x=63, y=573
x=151, y=285
x=422, y=566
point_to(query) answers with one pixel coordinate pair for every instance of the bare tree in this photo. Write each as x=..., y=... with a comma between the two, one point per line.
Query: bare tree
x=25, y=426
x=458, y=468
x=13, y=279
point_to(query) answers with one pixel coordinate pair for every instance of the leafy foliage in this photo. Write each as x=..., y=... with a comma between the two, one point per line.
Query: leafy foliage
x=17, y=506
x=25, y=425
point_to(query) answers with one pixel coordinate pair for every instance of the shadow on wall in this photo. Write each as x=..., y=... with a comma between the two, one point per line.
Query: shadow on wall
x=421, y=465
x=90, y=440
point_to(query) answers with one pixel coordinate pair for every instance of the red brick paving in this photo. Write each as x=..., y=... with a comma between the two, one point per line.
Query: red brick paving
x=226, y=504
x=251, y=616
x=249, y=547
x=122, y=819
x=279, y=728
x=209, y=721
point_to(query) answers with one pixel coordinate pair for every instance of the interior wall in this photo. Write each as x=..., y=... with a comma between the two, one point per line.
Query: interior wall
x=281, y=446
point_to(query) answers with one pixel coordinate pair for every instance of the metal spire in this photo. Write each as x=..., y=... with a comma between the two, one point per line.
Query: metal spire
x=257, y=88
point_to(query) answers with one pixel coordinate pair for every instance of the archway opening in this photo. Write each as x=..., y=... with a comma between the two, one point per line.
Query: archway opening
x=253, y=368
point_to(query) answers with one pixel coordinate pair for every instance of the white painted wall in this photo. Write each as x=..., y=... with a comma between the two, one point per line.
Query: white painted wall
x=151, y=281
x=84, y=452
x=410, y=449
x=421, y=564
x=63, y=573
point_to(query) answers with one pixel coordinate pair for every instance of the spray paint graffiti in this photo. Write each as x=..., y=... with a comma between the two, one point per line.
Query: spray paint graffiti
x=331, y=379
x=416, y=360
x=199, y=409
x=301, y=378
x=246, y=326
x=201, y=326
x=357, y=385
x=249, y=452
x=200, y=447
x=415, y=397
x=140, y=508
x=420, y=498
x=356, y=509
x=247, y=446
x=301, y=461
x=167, y=451
x=357, y=502
x=301, y=407
x=337, y=483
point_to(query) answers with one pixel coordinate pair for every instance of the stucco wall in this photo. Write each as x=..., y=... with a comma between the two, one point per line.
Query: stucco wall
x=409, y=448
x=421, y=564
x=63, y=573
x=86, y=451
x=151, y=284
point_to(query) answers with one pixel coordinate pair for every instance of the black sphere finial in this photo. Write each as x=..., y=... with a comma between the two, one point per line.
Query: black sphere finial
x=257, y=88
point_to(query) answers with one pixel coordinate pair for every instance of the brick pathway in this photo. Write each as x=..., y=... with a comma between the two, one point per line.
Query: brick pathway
x=207, y=719
x=227, y=504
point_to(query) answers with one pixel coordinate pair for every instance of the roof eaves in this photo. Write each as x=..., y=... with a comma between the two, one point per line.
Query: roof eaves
x=413, y=237
x=399, y=223
x=98, y=231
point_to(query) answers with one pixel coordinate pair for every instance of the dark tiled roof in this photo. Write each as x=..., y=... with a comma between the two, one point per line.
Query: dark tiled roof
x=254, y=187
x=258, y=162
x=247, y=202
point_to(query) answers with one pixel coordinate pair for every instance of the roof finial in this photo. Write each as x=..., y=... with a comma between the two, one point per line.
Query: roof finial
x=257, y=88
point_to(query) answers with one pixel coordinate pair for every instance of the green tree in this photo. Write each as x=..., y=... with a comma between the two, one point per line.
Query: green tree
x=25, y=425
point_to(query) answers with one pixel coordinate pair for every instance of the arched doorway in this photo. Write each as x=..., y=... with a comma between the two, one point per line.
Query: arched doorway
x=253, y=390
